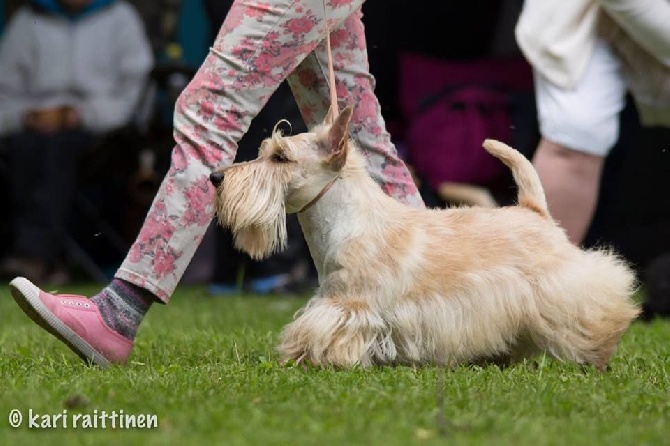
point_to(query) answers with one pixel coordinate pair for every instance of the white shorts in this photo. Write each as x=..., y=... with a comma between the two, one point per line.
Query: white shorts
x=586, y=117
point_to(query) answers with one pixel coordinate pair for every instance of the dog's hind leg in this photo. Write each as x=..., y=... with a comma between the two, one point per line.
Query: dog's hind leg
x=523, y=348
x=587, y=341
x=583, y=312
x=338, y=332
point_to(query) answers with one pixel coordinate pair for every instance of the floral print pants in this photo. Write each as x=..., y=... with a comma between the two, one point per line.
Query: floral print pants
x=261, y=43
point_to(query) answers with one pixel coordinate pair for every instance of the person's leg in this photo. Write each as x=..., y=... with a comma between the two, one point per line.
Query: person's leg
x=62, y=153
x=571, y=180
x=25, y=155
x=579, y=127
x=259, y=45
x=355, y=86
x=26, y=160
x=43, y=178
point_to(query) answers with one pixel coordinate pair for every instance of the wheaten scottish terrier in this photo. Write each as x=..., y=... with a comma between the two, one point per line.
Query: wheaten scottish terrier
x=400, y=285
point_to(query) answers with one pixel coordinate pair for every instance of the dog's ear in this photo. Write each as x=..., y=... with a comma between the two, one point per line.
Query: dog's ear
x=338, y=139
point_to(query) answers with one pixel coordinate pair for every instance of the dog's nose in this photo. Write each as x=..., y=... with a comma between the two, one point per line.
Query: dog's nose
x=216, y=178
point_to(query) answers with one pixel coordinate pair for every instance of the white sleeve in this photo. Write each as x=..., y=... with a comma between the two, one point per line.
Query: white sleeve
x=646, y=21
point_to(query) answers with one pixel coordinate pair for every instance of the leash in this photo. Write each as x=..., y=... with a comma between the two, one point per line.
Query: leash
x=333, y=106
x=319, y=195
x=331, y=72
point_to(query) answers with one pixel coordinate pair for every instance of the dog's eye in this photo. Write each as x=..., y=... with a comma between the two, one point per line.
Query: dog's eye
x=279, y=157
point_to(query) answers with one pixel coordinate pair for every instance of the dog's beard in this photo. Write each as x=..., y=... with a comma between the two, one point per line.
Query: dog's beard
x=254, y=210
x=262, y=241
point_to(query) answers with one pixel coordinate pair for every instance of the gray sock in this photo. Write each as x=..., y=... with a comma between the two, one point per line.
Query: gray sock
x=123, y=306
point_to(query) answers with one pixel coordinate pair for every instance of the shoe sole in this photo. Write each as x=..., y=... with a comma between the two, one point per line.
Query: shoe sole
x=27, y=296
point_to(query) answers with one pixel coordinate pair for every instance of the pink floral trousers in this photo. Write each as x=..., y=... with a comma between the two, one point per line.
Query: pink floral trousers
x=261, y=43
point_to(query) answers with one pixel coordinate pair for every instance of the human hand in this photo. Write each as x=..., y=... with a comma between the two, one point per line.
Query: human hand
x=71, y=117
x=51, y=120
x=44, y=120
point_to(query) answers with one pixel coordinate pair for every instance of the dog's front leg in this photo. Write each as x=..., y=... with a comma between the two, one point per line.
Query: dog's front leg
x=338, y=332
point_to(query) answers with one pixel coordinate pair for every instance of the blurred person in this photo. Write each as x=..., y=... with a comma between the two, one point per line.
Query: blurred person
x=260, y=44
x=586, y=55
x=70, y=70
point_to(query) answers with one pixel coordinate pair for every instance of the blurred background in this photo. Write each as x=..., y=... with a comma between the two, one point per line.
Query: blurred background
x=449, y=74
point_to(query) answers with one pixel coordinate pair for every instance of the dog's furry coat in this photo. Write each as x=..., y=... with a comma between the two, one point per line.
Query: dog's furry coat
x=400, y=285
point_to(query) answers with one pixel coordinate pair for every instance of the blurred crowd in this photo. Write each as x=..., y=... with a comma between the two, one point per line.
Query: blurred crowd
x=87, y=91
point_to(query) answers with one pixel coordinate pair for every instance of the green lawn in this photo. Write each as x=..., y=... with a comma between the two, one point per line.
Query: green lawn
x=207, y=369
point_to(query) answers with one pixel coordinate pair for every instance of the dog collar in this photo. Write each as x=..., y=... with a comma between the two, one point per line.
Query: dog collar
x=319, y=195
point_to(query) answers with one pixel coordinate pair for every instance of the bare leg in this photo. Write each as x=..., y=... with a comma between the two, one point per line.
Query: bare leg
x=571, y=180
x=579, y=126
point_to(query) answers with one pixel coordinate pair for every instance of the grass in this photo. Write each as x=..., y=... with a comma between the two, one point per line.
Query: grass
x=207, y=369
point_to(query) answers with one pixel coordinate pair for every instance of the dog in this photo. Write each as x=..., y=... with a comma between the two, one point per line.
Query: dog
x=407, y=286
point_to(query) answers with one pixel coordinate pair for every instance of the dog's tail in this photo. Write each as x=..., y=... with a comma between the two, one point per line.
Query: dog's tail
x=531, y=193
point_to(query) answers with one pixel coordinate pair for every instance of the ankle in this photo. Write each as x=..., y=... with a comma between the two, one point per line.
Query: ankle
x=123, y=306
x=134, y=294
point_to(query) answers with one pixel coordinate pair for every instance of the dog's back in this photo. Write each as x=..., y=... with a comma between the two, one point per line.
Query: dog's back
x=531, y=193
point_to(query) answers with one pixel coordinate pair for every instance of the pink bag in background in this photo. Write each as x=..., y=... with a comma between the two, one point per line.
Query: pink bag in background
x=450, y=108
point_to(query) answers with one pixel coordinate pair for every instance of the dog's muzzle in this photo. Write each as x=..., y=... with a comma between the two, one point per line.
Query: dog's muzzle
x=216, y=178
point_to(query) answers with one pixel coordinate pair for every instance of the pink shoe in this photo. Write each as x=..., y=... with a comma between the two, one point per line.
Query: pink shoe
x=75, y=321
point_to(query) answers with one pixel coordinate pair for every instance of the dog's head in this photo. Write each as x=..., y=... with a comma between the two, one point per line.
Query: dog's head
x=253, y=198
